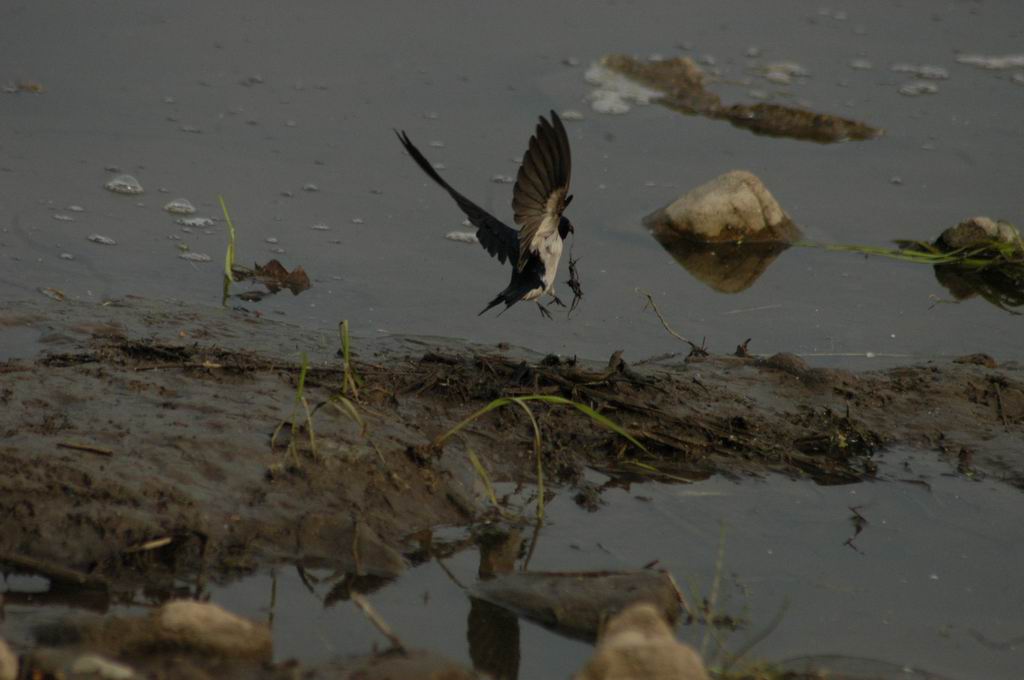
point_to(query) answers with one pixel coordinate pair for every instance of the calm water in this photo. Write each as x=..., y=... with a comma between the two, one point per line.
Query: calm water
x=931, y=582
x=124, y=81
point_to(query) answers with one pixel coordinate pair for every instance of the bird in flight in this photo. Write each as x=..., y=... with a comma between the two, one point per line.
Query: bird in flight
x=539, y=198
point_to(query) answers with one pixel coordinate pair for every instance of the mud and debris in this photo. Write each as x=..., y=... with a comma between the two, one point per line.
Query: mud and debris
x=273, y=276
x=140, y=423
x=578, y=603
x=683, y=87
x=135, y=440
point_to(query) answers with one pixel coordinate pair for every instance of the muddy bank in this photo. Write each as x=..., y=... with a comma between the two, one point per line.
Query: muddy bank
x=137, y=442
x=138, y=458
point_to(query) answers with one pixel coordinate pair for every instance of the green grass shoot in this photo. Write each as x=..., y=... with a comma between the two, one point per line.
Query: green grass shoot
x=293, y=421
x=482, y=473
x=523, y=403
x=986, y=255
x=350, y=381
x=552, y=400
x=229, y=255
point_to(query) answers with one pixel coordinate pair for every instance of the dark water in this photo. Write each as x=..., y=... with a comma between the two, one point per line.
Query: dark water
x=930, y=583
x=122, y=79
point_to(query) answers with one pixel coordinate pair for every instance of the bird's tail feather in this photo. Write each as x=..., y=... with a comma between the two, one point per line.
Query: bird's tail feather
x=494, y=303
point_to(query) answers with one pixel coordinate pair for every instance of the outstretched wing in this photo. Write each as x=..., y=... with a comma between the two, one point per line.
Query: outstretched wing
x=497, y=238
x=542, y=186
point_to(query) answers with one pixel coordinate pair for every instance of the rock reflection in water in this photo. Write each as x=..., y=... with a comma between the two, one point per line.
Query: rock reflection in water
x=1002, y=288
x=493, y=631
x=723, y=267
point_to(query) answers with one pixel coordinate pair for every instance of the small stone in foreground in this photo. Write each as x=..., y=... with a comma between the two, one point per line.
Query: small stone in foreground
x=96, y=666
x=8, y=662
x=208, y=627
x=637, y=643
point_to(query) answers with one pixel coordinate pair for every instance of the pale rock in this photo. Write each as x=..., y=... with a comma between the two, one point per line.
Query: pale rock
x=731, y=208
x=8, y=662
x=205, y=626
x=638, y=644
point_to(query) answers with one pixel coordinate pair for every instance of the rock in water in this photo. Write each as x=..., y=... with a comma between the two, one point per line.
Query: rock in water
x=8, y=662
x=203, y=626
x=637, y=643
x=977, y=231
x=735, y=207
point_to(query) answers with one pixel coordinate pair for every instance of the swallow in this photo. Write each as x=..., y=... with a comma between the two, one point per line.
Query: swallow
x=539, y=197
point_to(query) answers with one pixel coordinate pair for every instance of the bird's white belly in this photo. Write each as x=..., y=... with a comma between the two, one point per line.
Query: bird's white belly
x=549, y=252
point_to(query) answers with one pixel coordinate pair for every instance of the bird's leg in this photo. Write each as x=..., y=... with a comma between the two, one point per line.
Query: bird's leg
x=543, y=310
x=555, y=300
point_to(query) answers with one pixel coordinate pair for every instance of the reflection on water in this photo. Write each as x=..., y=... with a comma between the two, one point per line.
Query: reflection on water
x=930, y=583
x=1003, y=287
x=735, y=267
x=723, y=267
x=493, y=631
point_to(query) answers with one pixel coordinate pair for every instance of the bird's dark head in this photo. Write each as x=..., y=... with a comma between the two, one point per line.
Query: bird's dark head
x=565, y=227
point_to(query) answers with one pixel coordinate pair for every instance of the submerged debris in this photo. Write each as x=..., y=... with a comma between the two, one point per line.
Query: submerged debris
x=274, y=277
x=924, y=71
x=577, y=603
x=199, y=222
x=679, y=84
x=994, y=63
x=783, y=72
x=124, y=184
x=180, y=206
x=615, y=93
x=462, y=236
x=102, y=240
x=918, y=87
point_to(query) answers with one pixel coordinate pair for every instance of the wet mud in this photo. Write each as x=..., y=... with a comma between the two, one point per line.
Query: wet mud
x=138, y=448
x=682, y=84
x=144, y=422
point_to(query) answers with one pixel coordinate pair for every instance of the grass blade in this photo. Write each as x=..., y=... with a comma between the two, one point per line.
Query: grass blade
x=346, y=407
x=536, y=452
x=229, y=255
x=601, y=420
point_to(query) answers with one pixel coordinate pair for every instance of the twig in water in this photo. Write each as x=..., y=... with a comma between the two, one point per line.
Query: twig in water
x=53, y=571
x=88, y=448
x=150, y=545
x=712, y=599
x=373, y=617
x=695, y=349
